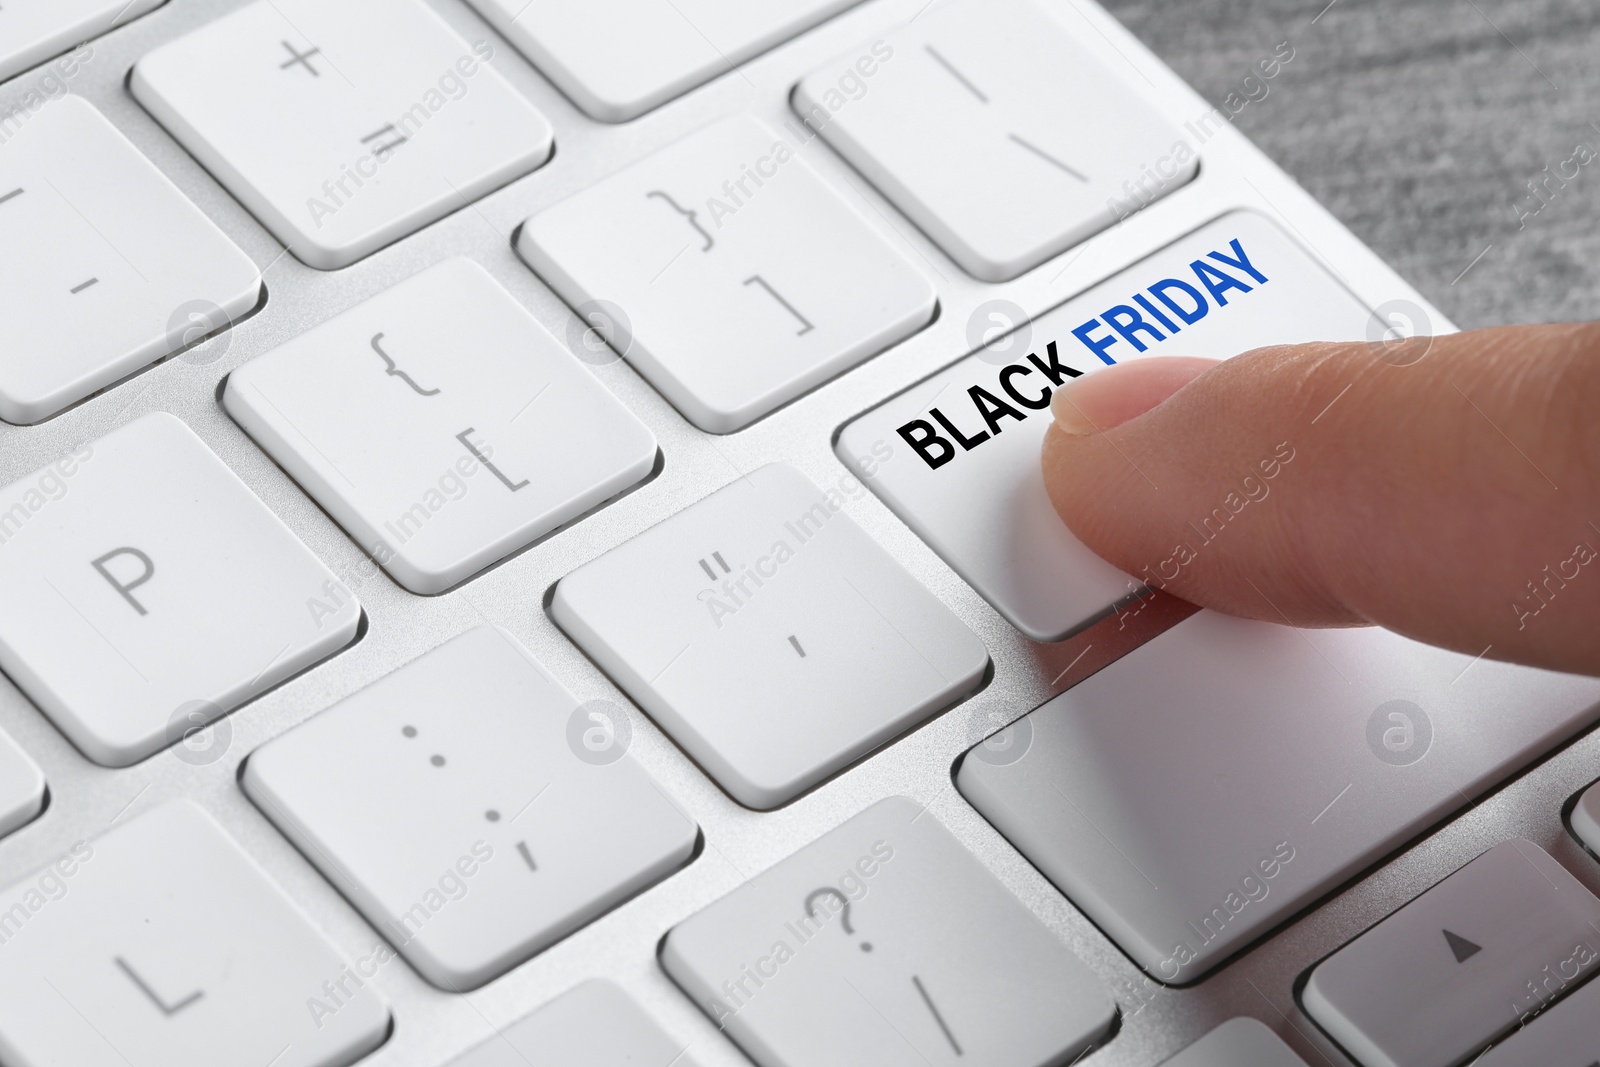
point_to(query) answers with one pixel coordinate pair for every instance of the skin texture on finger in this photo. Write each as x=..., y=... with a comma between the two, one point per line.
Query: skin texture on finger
x=1111, y=398
x=1448, y=489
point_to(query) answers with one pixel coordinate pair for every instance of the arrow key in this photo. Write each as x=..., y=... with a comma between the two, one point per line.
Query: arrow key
x=1494, y=944
x=1463, y=949
x=1565, y=1036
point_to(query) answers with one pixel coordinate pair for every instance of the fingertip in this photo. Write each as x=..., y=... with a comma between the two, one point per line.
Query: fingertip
x=1107, y=398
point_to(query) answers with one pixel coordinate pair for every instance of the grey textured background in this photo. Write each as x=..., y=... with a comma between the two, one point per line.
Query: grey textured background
x=1419, y=123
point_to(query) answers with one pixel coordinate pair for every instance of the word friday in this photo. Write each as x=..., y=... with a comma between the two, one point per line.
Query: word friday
x=1152, y=315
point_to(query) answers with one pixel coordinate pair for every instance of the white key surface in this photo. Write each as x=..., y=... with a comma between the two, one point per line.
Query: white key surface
x=593, y=1025
x=144, y=591
x=1586, y=818
x=96, y=236
x=965, y=472
x=1240, y=1042
x=617, y=59
x=728, y=273
x=342, y=127
x=162, y=943
x=22, y=788
x=31, y=31
x=1005, y=136
x=770, y=636
x=498, y=814
x=886, y=943
x=1563, y=1036
x=1442, y=977
x=441, y=425
x=1271, y=765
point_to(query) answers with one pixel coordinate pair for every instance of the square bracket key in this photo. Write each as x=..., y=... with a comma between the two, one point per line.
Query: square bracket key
x=441, y=425
x=728, y=273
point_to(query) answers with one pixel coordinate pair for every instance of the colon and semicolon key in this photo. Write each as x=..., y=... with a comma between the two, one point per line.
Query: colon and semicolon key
x=490, y=835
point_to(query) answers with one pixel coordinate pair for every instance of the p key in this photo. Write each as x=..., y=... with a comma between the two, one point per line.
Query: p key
x=144, y=592
x=343, y=126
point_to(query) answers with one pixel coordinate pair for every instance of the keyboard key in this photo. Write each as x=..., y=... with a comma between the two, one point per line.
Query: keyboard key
x=719, y=249
x=617, y=59
x=342, y=127
x=594, y=1025
x=161, y=942
x=1237, y=1043
x=1586, y=818
x=969, y=481
x=492, y=433
x=769, y=635
x=21, y=787
x=1211, y=784
x=1438, y=980
x=1004, y=137
x=96, y=236
x=1564, y=1036
x=34, y=30
x=930, y=960
x=486, y=833
x=144, y=592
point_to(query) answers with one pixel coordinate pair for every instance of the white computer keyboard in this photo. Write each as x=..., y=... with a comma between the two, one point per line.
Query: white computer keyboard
x=521, y=542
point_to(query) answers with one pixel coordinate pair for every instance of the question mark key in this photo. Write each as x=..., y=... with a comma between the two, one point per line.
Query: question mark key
x=886, y=942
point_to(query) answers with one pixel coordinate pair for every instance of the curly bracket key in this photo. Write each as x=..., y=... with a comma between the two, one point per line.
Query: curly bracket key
x=395, y=372
x=689, y=213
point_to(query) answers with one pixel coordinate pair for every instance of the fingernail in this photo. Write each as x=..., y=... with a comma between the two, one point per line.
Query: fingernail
x=1071, y=419
x=1110, y=397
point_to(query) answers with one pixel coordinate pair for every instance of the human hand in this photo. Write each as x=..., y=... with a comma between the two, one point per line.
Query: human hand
x=1446, y=488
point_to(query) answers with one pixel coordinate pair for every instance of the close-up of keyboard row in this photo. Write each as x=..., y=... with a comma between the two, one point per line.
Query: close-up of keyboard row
x=479, y=776
x=345, y=127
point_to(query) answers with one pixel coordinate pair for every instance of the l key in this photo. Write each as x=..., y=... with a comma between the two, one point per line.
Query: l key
x=162, y=943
